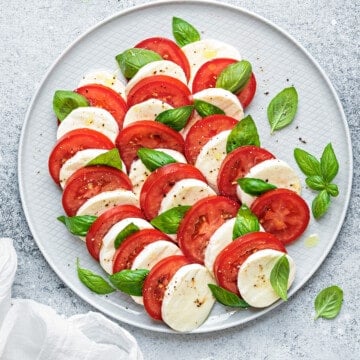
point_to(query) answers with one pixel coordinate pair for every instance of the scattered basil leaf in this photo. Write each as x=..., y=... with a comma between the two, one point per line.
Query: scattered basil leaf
x=65, y=101
x=329, y=164
x=282, y=108
x=205, y=109
x=315, y=182
x=320, y=204
x=307, y=163
x=328, y=302
x=279, y=277
x=227, y=298
x=124, y=233
x=332, y=189
x=154, y=159
x=254, y=187
x=129, y=281
x=183, y=32
x=169, y=221
x=245, y=222
x=77, y=225
x=109, y=158
x=175, y=118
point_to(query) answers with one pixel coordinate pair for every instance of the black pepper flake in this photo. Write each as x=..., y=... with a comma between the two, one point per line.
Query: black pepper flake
x=302, y=140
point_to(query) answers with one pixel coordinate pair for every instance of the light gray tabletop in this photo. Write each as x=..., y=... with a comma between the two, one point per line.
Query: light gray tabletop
x=34, y=33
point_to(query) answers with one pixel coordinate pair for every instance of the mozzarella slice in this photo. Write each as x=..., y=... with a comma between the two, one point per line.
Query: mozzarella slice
x=146, y=110
x=108, y=249
x=90, y=117
x=254, y=277
x=273, y=171
x=188, y=300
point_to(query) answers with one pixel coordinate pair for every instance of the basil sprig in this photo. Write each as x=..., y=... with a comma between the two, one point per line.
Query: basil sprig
x=279, y=277
x=245, y=222
x=124, y=233
x=129, y=281
x=254, y=187
x=328, y=302
x=176, y=118
x=183, y=32
x=109, y=158
x=169, y=221
x=65, y=101
x=205, y=108
x=77, y=225
x=154, y=159
x=227, y=298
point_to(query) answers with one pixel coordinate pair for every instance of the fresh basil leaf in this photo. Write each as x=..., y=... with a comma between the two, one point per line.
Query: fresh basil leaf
x=279, y=277
x=65, y=101
x=205, y=109
x=329, y=164
x=245, y=222
x=254, y=187
x=328, y=302
x=169, y=221
x=124, y=233
x=183, y=32
x=320, y=204
x=109, y=158
x=227, y=298
x=235, y=76
x=244, y=133
x=307, y=163
x=131, y=60
x=332, y=189
x=175, y=118
x=315, y=182
x=154, y=159
x=77, y=225
x=92, y=281
x=282, y=108
x=129, y=281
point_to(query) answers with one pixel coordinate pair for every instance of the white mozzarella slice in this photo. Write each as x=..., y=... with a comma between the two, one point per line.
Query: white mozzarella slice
x=254, y=277
x=211, y=156
x=108, y=249
x=188, y=300
x=90, y=117
x=146, y=110
x=273, y=171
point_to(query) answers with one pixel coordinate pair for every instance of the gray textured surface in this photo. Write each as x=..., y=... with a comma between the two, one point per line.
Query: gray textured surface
x=33, y=35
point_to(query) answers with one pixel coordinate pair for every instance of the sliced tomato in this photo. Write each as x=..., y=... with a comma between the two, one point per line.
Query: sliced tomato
x=200, y=222
x=159, y=183
x=149, y=134
x=168, y=50
x=131, y=247
x=202, y=131
x=104, y=222
x=156, y=282
x=236, y=165
x=247, y=94
x=72, y=142
x=106, y=98
x=229, y=260
x=283, y=213
x=162, y=87
x=89, y=181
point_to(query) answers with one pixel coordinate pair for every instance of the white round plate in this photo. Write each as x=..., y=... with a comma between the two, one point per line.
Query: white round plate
x=278, y=62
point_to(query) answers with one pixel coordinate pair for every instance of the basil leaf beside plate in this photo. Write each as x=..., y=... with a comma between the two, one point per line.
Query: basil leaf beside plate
x=65, y=101
x=183, y=32
x=328, y=302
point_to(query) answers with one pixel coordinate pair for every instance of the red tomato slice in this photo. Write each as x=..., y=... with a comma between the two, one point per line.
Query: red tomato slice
x=236, y=165
x=156, y=282
x=149, y=134
x=283, y=213
x=229, y=260
x=159, y=183
x=106, y=98
x=247, y=94
x=162, y=87
x=202, y=131
x=104, y=222
x=200, y=222
x=72, y=142
x=168, y=50
x=131, y=247
x=90, y=181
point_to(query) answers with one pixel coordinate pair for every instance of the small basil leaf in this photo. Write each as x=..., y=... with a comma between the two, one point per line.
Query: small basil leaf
x=77, y=225
x=175, y=118
x=227, y=298
x=329, y=164
x=244, y=133
x=328, y=302
x=279, y=277
x=315, y=182
x=282, y=108
x=129, y=281
x=307, y=163
x=184, y=33
x=245, y=222
x=169, y=221
x=65, y=101
x=109, y=158
x=320, y=204
x=124, y=233
x=205, y=109
x=154, y=159
x=254, y=187
x=332, y=189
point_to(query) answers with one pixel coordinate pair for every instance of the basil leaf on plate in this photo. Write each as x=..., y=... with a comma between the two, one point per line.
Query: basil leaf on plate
x=183, y=32
x=307, y=163
x=227, y=298
x=109, y=158
x=175, y=118
x=245, y=222
x=77, y=225
x=124, y=233
x=154, y=159
x=329, y=164
x=129, y=281
x=65, y=101
x=279, y=277
x=169, y=221
x=320, y=204
x=328, y=302
x=254, y=187
x=332, y=189
x=315, y=182
x=204, y=108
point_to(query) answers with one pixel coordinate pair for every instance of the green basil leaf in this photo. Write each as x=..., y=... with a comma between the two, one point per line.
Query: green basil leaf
x=282, y=108
x=124, y=233
x=77, y=225
x=92, y=281
x=175, y=118
x=129, y=281
x=109, y=158
x=315, y=182
x=245, y=222
x=205, y=109
x=131, y=60
x=169, y=221
x=65, y=101
x=154, y=159
x=329, y=164
x=244, y=133
x=328, y=302
x=227, y=298
x=254, y=187
x=279, y=277
x=307, y=163
x=183, y=32
x=332, y=189
x=320, y=204
x=235, y=76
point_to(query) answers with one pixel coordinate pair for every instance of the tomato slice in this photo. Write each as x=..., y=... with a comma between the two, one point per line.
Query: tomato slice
x=159, y=183
x=162, y=87
x=156, y=282
x=283, y=213
x=236, y=165
x=104, y=222
x=131, y=247
x=202, y=131
x=229, y=260
x=90, y=181
x=168, y=50
x=72, y=142
x=149, y=134
x=200, y=222
x=106, y=98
